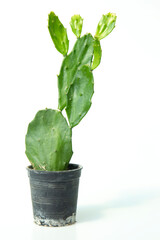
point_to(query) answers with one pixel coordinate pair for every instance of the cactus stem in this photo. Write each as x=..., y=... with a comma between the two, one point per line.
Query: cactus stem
x=46, y=147
x=43, y=167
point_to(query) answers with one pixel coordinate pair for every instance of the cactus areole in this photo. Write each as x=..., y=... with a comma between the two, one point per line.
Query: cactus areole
x=49, y=136
x=54, y=180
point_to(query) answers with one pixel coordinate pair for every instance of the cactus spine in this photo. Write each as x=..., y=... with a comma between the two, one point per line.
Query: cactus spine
x=49, y=137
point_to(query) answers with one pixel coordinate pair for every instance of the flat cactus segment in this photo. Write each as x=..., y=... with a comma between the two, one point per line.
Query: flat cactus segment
x=105, y=25
x=49, y=141
x=58, y=33
x=81, y=54
x=76, y=24
x=79, y=95
x=97, y=54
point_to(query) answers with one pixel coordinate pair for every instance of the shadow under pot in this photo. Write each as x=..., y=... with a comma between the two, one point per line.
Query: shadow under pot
x=54, y=195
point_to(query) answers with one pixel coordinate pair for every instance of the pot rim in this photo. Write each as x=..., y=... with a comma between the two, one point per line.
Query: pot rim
x=77, y=168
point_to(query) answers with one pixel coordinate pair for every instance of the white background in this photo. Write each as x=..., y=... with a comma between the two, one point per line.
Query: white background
x=118, y=142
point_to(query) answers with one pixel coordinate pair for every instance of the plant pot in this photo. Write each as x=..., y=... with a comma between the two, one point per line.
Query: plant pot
x=54, y=195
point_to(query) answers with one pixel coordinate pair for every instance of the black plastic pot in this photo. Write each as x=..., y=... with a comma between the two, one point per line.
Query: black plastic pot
x=54, y=195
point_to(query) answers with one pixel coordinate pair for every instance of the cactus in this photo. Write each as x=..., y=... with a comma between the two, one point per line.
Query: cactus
x=76, y=25
x=48, y=141
x=105, y=25
x=81, y=54
x=49, y=137
x=58, y=33
x=79, y=95
x=97, y=54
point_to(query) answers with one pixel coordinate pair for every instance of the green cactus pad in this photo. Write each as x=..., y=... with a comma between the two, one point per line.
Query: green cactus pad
x=58, y=33
x=81, y=54
x=49, y=141
x=105, y=25
x=79, y=95
x=97, y=54
x=76, y=24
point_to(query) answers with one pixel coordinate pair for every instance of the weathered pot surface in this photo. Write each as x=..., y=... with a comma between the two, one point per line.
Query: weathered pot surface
x=54, y=195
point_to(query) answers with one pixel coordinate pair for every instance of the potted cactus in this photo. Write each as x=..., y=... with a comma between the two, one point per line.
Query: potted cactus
x=53, y=179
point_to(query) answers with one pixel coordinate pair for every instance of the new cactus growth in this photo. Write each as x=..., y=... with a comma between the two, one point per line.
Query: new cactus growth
x=49, y=137
x=105, y=25
x=97, y=54
x=76, y=25
x=58, y=34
